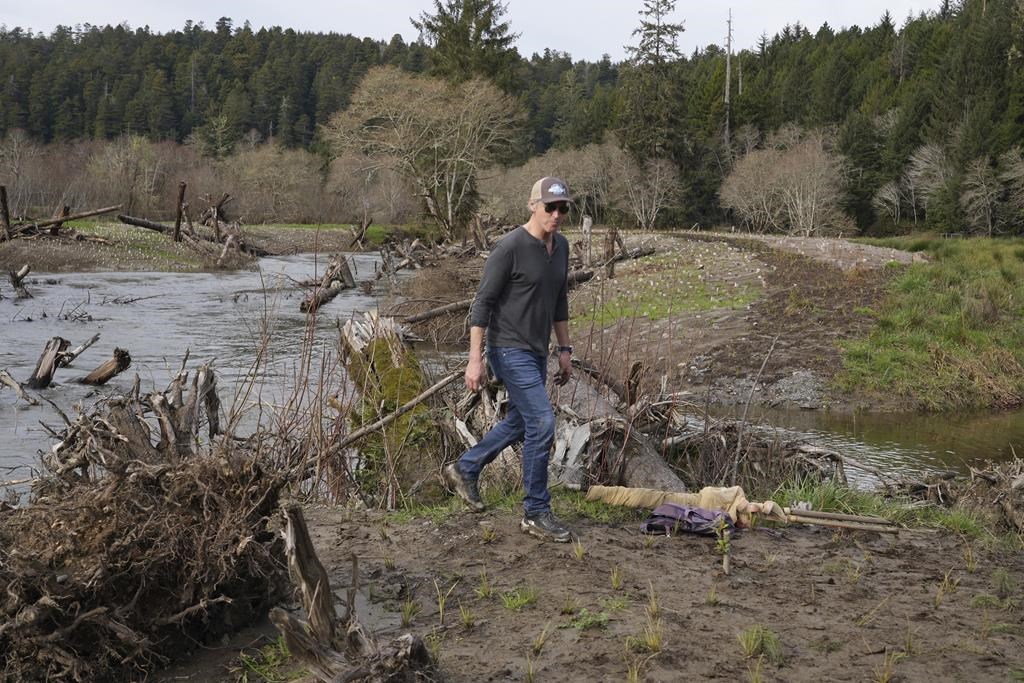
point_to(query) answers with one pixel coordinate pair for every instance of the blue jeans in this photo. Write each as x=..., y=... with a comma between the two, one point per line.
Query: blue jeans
x=530, y=419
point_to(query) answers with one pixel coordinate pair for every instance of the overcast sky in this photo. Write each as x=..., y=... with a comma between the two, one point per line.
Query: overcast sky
x=584, y=28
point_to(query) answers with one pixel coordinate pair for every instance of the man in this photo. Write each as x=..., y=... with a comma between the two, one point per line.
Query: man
x=522, y=296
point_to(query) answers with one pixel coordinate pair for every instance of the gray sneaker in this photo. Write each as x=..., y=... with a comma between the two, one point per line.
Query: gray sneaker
x=463, y=486
x=544, y=525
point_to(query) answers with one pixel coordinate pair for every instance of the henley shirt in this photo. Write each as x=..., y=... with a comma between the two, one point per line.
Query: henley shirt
x=524, y=291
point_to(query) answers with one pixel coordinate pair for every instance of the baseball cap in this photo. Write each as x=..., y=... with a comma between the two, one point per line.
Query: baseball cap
x=550, y=189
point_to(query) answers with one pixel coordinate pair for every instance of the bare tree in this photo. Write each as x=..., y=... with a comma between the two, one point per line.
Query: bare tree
x=16, y=149
x=979, y=195
x=889, y=200
x=928, y=173
x=1012, y=175
x=750, y=191
x=439, y=136
x=649, y=189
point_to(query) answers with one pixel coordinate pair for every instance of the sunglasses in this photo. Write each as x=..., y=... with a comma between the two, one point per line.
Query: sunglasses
x=561, y=207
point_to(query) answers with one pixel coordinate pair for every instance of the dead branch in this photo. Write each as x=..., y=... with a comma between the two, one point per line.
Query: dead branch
x=5, y=214
x=66, y=358
x=337, y=277
x=179, y=205
x=17, y=278
x=6, y=379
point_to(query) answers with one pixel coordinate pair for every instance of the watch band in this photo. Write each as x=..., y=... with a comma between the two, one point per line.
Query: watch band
x=565, y=349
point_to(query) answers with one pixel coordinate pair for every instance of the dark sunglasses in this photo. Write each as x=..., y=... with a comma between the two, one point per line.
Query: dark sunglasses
x=561, y=207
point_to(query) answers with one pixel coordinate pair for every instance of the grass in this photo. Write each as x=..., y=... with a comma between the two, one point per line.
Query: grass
x=760, y=641
x=271, y=664
x=834, y=497
x=950, y=332
x=484, y=589
x=664, y=287
x=586, y=620
x=617, y=578
x=519, y=598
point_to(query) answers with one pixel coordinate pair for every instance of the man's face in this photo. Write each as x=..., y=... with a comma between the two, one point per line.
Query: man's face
x=550, y=215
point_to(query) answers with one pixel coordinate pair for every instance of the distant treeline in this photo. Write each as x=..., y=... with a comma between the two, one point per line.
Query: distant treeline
x=941, y=95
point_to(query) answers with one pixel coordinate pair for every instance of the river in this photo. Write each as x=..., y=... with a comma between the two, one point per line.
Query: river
x=222, y=315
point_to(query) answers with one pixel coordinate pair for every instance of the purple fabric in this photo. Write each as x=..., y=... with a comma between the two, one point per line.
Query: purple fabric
x=670, y=518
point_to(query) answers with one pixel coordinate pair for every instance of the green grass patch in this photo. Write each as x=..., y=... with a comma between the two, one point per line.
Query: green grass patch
x=662, y=287
x=376, y=234
x=950, y=333
x=834, y=497
x=271, y=664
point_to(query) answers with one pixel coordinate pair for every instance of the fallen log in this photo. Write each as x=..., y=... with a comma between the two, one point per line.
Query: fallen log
x=38, y=225
x=42, y=377
x=112, y=367
x=169, y=230
x=337, y=277
x=17, y=278
x=364, y=225
x=179, y=206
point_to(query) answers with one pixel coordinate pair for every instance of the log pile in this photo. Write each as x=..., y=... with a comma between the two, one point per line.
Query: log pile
x=337, y=277
x=128, y=551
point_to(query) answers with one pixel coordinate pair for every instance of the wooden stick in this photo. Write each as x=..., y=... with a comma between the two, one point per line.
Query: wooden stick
x=16, y=281
x=62, y=214
x=837, y=515
x=441, y=310
x=743, y=420
x=109, y=369
x=856, y=526
x=402, y=410
x=47, y=363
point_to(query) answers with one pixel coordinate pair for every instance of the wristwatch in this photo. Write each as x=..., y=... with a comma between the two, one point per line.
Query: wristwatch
x=565, y=349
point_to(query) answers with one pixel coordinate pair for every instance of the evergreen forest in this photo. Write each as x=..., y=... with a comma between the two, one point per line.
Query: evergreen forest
x=909, y=123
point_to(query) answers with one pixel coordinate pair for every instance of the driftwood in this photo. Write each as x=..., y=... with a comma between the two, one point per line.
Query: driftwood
x=6, y=379
x=585, y=250
x=35, y=227
x=169, y=231
x=333, y=649
x=155, y=555
x=364, y=225
x=66, y=358
x=17, y=278
x=337, y=277
x=114, y=366
x=47, y=364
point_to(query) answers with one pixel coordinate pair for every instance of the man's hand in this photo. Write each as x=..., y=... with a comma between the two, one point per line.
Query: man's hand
x=564, y=368
x=475, y=373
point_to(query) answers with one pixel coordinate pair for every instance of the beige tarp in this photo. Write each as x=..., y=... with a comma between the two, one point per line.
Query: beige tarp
x=730, y=499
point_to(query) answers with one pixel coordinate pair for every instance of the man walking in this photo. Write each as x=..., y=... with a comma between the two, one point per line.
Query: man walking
x=522, y=296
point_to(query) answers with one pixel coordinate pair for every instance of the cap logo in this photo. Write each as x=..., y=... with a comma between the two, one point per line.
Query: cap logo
x=556, y=189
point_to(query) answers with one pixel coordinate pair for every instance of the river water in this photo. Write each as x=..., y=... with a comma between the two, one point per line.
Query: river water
x=222, y=316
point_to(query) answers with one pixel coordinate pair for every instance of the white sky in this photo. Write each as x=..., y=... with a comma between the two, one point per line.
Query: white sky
x=584, y=28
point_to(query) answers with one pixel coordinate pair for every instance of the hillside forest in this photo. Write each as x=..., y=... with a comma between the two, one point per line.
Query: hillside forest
x=914, y=123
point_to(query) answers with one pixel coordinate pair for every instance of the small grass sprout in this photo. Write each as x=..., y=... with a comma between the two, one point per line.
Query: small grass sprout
x=1003, y=583
x=442, y=599
x=466, y=616
x=757, y=641
x=613, y=604
x=484, y=589
x=586, y=620
x=487, y=534
x=542, y=638
x=410, y=608
x=570, y=605
x=519, y=598
x=712, y=599
x=653, y=608
x=617, y=578
x=884, y=673
x=389, y=563
x=970, y=561
x=649, y=640
x=578, y=550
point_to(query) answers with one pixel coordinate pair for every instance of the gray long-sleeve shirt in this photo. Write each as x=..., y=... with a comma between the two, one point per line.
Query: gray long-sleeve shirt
x=523, y=292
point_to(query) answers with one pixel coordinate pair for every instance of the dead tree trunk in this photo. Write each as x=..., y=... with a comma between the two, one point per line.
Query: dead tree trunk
x=6, y=379
x=5, y=213
x=337, y=277
x=39, y=225
x=17, y=277
x=42, y=377
x=61, y=215
x=332, y=649
x=179, y=207
x=588, y=223
x=610, y=240
x=112, y=367
x=169, y=231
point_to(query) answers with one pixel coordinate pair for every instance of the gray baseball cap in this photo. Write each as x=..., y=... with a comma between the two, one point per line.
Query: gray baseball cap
x=550, y=189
